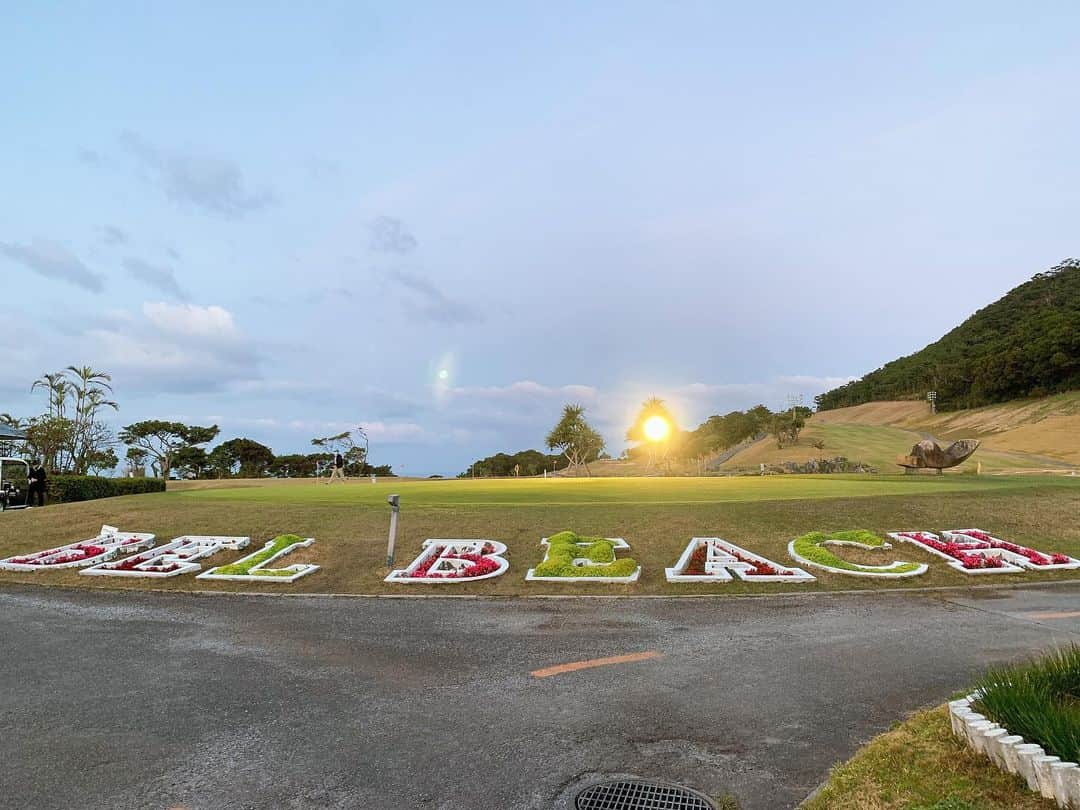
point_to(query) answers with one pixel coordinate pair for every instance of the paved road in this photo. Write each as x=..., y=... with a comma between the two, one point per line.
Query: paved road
x=162, y=701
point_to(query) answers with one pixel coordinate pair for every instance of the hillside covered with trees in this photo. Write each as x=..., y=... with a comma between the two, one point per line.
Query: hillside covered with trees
x=1026, y=344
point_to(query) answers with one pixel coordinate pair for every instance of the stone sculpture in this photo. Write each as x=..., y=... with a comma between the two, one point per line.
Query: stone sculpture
x=928, y=455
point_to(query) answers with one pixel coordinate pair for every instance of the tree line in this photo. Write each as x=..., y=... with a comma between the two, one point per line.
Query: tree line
x=576, y=443
x=71, y=437
x=1026, y=344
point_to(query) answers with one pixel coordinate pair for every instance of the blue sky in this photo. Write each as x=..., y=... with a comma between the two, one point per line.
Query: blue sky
x=288, y=220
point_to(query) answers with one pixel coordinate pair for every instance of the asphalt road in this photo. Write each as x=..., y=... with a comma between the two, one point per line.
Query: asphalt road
x=125, y=700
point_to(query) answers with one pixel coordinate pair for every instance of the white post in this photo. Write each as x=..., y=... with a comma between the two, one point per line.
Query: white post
x=395, y=505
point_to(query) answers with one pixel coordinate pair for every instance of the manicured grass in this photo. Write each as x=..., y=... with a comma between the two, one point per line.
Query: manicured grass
x=656, y=516
x=919, y=765
x=584, y=491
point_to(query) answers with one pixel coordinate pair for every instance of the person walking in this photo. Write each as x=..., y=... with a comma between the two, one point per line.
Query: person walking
x=36, y=485
x=339, y=469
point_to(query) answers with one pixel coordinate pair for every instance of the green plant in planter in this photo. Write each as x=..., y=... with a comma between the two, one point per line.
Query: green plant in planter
x=566, y=547
x=1039, y=700
x=812, y=547
x=244, y=566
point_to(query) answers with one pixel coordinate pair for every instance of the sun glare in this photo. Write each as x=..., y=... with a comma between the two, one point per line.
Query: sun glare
x=656, y=428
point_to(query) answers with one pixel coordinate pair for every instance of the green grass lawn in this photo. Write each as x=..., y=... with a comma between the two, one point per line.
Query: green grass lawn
x=919, y=765
x=657, y=516
x=555, y=492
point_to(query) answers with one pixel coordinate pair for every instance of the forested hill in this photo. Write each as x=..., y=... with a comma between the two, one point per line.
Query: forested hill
x=1025, y=344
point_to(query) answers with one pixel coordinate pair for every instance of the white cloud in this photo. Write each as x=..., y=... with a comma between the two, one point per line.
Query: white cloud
x=212, y=323
x=819, y=383
x=174, y=347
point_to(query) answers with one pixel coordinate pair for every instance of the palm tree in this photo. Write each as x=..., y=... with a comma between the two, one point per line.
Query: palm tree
x=58, y=388
x=91, y=389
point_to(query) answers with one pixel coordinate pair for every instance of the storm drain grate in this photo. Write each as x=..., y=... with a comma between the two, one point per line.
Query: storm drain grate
x=639, y=795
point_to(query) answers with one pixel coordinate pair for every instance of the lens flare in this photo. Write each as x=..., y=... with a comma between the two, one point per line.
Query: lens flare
x=656, y=428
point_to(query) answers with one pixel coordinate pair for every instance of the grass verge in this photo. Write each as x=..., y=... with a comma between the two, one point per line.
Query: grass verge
x=919, y=765
x=657, y=517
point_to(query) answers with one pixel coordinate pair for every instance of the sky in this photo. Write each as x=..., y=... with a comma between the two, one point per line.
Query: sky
x=445, y=221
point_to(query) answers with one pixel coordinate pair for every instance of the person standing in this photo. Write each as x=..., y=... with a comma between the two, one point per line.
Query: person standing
x=339, y=469
x=36, y=484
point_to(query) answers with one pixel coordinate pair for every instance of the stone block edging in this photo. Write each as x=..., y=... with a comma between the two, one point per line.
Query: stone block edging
x=1046, y=775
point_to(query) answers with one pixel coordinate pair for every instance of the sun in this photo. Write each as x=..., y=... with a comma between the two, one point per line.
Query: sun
x=656, y=428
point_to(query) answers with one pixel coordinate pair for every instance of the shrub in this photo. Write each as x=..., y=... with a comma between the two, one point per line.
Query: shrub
x=565, y=547
x=1038, y=701
x=69, y=488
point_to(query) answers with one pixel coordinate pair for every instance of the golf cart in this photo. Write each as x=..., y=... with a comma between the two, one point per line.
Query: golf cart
x=14, y=483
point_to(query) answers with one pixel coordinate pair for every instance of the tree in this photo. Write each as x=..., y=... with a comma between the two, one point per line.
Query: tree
x=221, y=461
x=355, y=460
x=528, y=462
x=76, y=396
x=56, y=385
x=654, y=412
x=244, y=457
x=101, y=461
x=575, y=438
x=90, y=391
x=46, y=438
x=295, y=465
x=787, y=425
x=162, y=439
x=136, y=459
x=191, y=462
x=8, y=447
x=341, y=443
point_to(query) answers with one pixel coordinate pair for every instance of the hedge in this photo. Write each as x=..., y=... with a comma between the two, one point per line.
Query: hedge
x=68, y=488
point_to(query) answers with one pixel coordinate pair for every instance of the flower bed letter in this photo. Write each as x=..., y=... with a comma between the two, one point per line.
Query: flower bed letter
x=252, y=567
x=110, y=542
x=454, y=561
x=810, y=549
x=571, y=558
x=711, y=559
x=170, y=560
x=974, y=551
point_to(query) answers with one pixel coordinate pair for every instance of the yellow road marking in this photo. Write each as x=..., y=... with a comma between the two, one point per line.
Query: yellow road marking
x=547, y=672
x=1070, y=614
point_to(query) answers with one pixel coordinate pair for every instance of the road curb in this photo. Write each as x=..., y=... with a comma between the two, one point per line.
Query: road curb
x=1005, y=586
